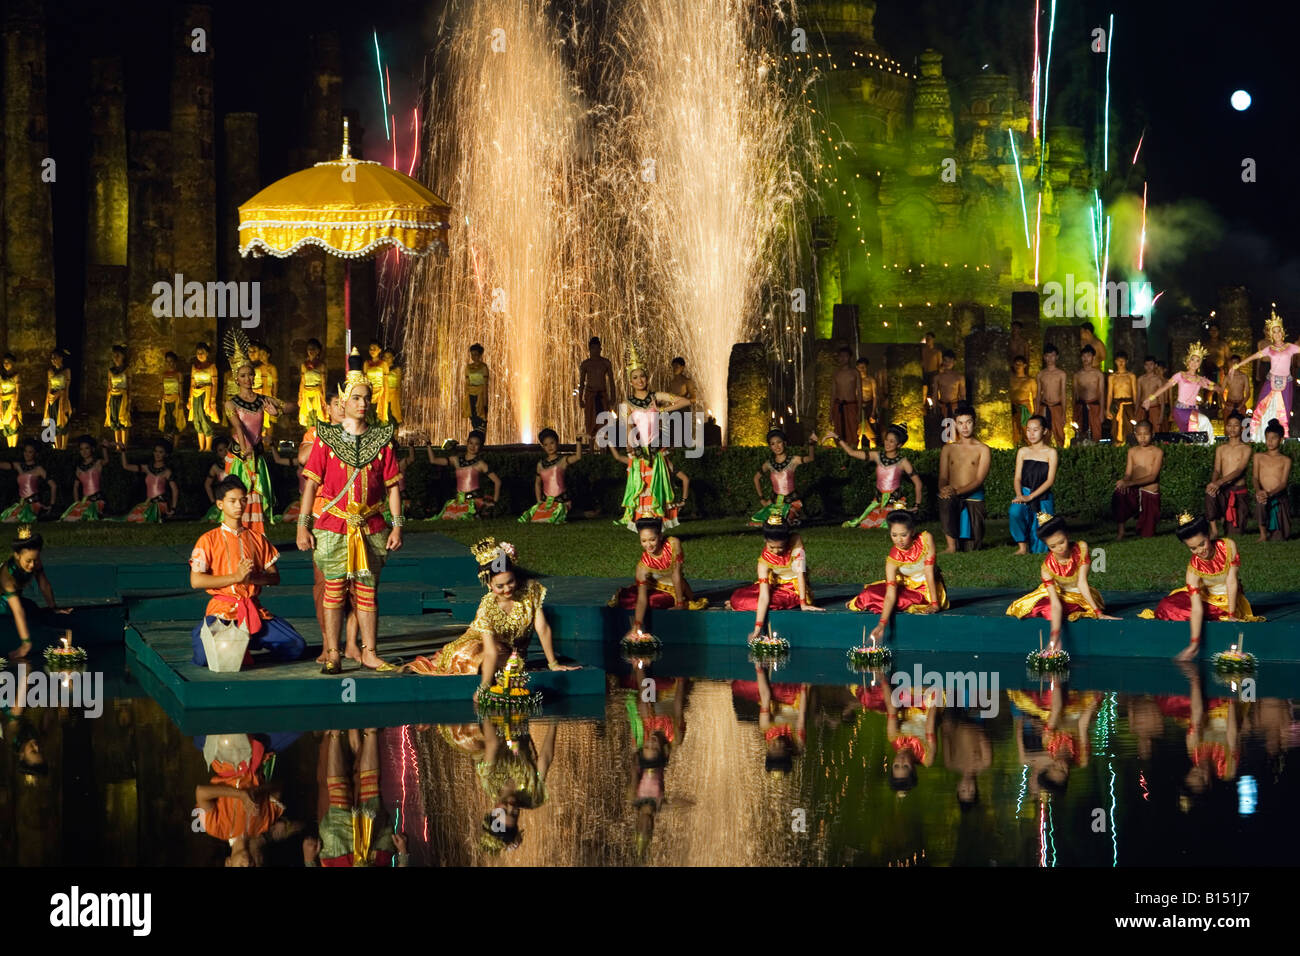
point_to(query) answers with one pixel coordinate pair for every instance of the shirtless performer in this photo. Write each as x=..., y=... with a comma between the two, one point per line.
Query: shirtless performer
x=1089, y=387
x=870, y=411
x=931, y=357
x=1149, y=384
x=1272, y=472
x=1019, y=344
x=1137, y=494
x=1121, y=399
x=1051, y=394
x=595, y=387
x=963, y=466
x=846, y=396
x=1024, y=398
x=1237, y=390
x=681, y=383
x=1088, y=337
x=1226, y=495
x=949, y=386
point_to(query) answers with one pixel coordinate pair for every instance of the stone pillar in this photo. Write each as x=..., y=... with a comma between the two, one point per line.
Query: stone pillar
x=28, y=225
x=748, y=413
x=1233, y=316
x=907, y=404
x=150, y=260
x=1182, y=331
x=1025, y=310
x=829, y=286
x=193, y=166
x=240, y=182
x=1126, y=338
x=108, y=213
x=988, y=384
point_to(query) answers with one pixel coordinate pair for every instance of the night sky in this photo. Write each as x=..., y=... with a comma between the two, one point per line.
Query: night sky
x=1174, y=66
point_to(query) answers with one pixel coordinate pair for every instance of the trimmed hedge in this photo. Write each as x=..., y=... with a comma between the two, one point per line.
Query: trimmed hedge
x=833, y=486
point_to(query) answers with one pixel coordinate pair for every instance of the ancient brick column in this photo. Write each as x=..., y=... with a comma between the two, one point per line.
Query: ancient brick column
x=988, y=384
x=748, y=403
x=107, y=217
x=1233, y=316
x=905, y=386
x=193, y=170
x=149, y=257
x=28, y=227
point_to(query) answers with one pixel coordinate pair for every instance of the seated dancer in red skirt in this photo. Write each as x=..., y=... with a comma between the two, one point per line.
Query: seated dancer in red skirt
x=1213, y=587
x=912, y=558
x=1137, y=494
x=781, y=579
x=661, y=558
x=1064, y=591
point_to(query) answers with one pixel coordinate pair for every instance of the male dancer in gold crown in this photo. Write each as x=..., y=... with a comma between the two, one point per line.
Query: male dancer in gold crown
x=353, y=467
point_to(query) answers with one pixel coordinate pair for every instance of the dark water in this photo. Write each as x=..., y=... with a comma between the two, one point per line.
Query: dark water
x=1050, y=777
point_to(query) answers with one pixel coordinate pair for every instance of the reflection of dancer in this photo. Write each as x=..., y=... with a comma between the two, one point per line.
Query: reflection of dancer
x=1213, y=587
x=912, y=558
x=507, y=617
x=1051, y=729
x=658, y=726
x=513, y=773
x=354, y=829
x=1035, y=475
x=237, y=807
x=548, y=488
x=967, y=750
x=31, y=474
x=782, y=718
x=781, y=468
x=660, y=583
x=469, y=467
x=233, y=563
x=1064, y=592
x=1278, y=387
x=88, y=503
x=781, y=579
x=891, y=466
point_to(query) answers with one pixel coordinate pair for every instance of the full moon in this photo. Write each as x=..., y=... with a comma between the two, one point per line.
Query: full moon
x=1240, y=100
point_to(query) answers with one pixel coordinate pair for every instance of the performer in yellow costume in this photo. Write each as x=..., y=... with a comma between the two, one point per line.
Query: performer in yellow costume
x=171, y=410
x=266, y=380
x=392, y=388
x=203, y=395
x=312, y=404
x=376, y=370
x=11, y=411
x=58, y=385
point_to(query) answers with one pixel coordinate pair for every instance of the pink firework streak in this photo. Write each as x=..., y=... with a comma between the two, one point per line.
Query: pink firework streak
x=1142, y=239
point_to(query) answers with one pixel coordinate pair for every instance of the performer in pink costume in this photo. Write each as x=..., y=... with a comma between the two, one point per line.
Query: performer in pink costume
x=469, y=468
x=1276, y=392
x=31, y=474
x=90, y=505
x=1189, y=383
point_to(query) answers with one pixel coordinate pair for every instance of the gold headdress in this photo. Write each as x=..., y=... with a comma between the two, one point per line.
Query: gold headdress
x=1274, y=321
x=1196, y=351
x=1044, y=517
x=775, y=520
x=491, y=556
x=634, y=361
x=1184, y=518
x=236, y=347
x=24, y=532
x=356, y=375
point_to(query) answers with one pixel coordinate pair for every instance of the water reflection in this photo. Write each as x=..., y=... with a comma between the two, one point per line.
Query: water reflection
x=680, y=771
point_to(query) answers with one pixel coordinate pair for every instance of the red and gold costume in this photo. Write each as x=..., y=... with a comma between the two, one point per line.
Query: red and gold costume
x=1065, y=575
x=783, y=573
x=1213, y=572
x=913, y=589
x=660, y=581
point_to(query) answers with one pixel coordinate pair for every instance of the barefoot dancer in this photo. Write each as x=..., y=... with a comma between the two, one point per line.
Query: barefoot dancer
x=351, y=466
x=595, y=388
x=233, y=563
x=781, y=468
x=846, y=396
x=1190, y=382
x=781, y=581
x=1271, y=476
x=1213, y=588
x=171, y=408
x=1120, y=396
x=1064, y=592
x=1051, y=395
x=1138, y=492
x=963, y=466
x=1278, y=388
x=1024, y=398
x=11, y=409
x=661, y=558
x=1226, y=496
x=548, y=487
x=203, y=395
x=58, y=388
x=649, y=491
x=911, y=557
x=891, y=466
x=1035, y=475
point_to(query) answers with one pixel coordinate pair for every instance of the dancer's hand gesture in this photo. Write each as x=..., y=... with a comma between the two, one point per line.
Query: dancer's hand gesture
x=306, y=540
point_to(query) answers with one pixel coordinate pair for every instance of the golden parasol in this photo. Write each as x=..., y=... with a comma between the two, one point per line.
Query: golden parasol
x=348, y=207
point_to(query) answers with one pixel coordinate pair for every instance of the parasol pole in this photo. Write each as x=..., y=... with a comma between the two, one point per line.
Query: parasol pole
x=347, y=274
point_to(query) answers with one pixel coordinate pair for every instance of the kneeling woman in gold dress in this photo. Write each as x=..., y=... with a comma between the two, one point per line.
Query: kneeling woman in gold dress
x=1064, y=591
x=913, y=582
x=506, y=619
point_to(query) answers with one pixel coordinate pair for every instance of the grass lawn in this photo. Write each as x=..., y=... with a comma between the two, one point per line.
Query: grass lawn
x=723, y=548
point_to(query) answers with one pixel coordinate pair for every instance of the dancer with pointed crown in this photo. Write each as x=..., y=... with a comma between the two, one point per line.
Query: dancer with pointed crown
x=246, y=410
x=1276, y=393
x=1190, y=382
x=353, y=467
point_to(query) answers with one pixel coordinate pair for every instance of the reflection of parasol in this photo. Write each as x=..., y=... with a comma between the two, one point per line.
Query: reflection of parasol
x=348, y=207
